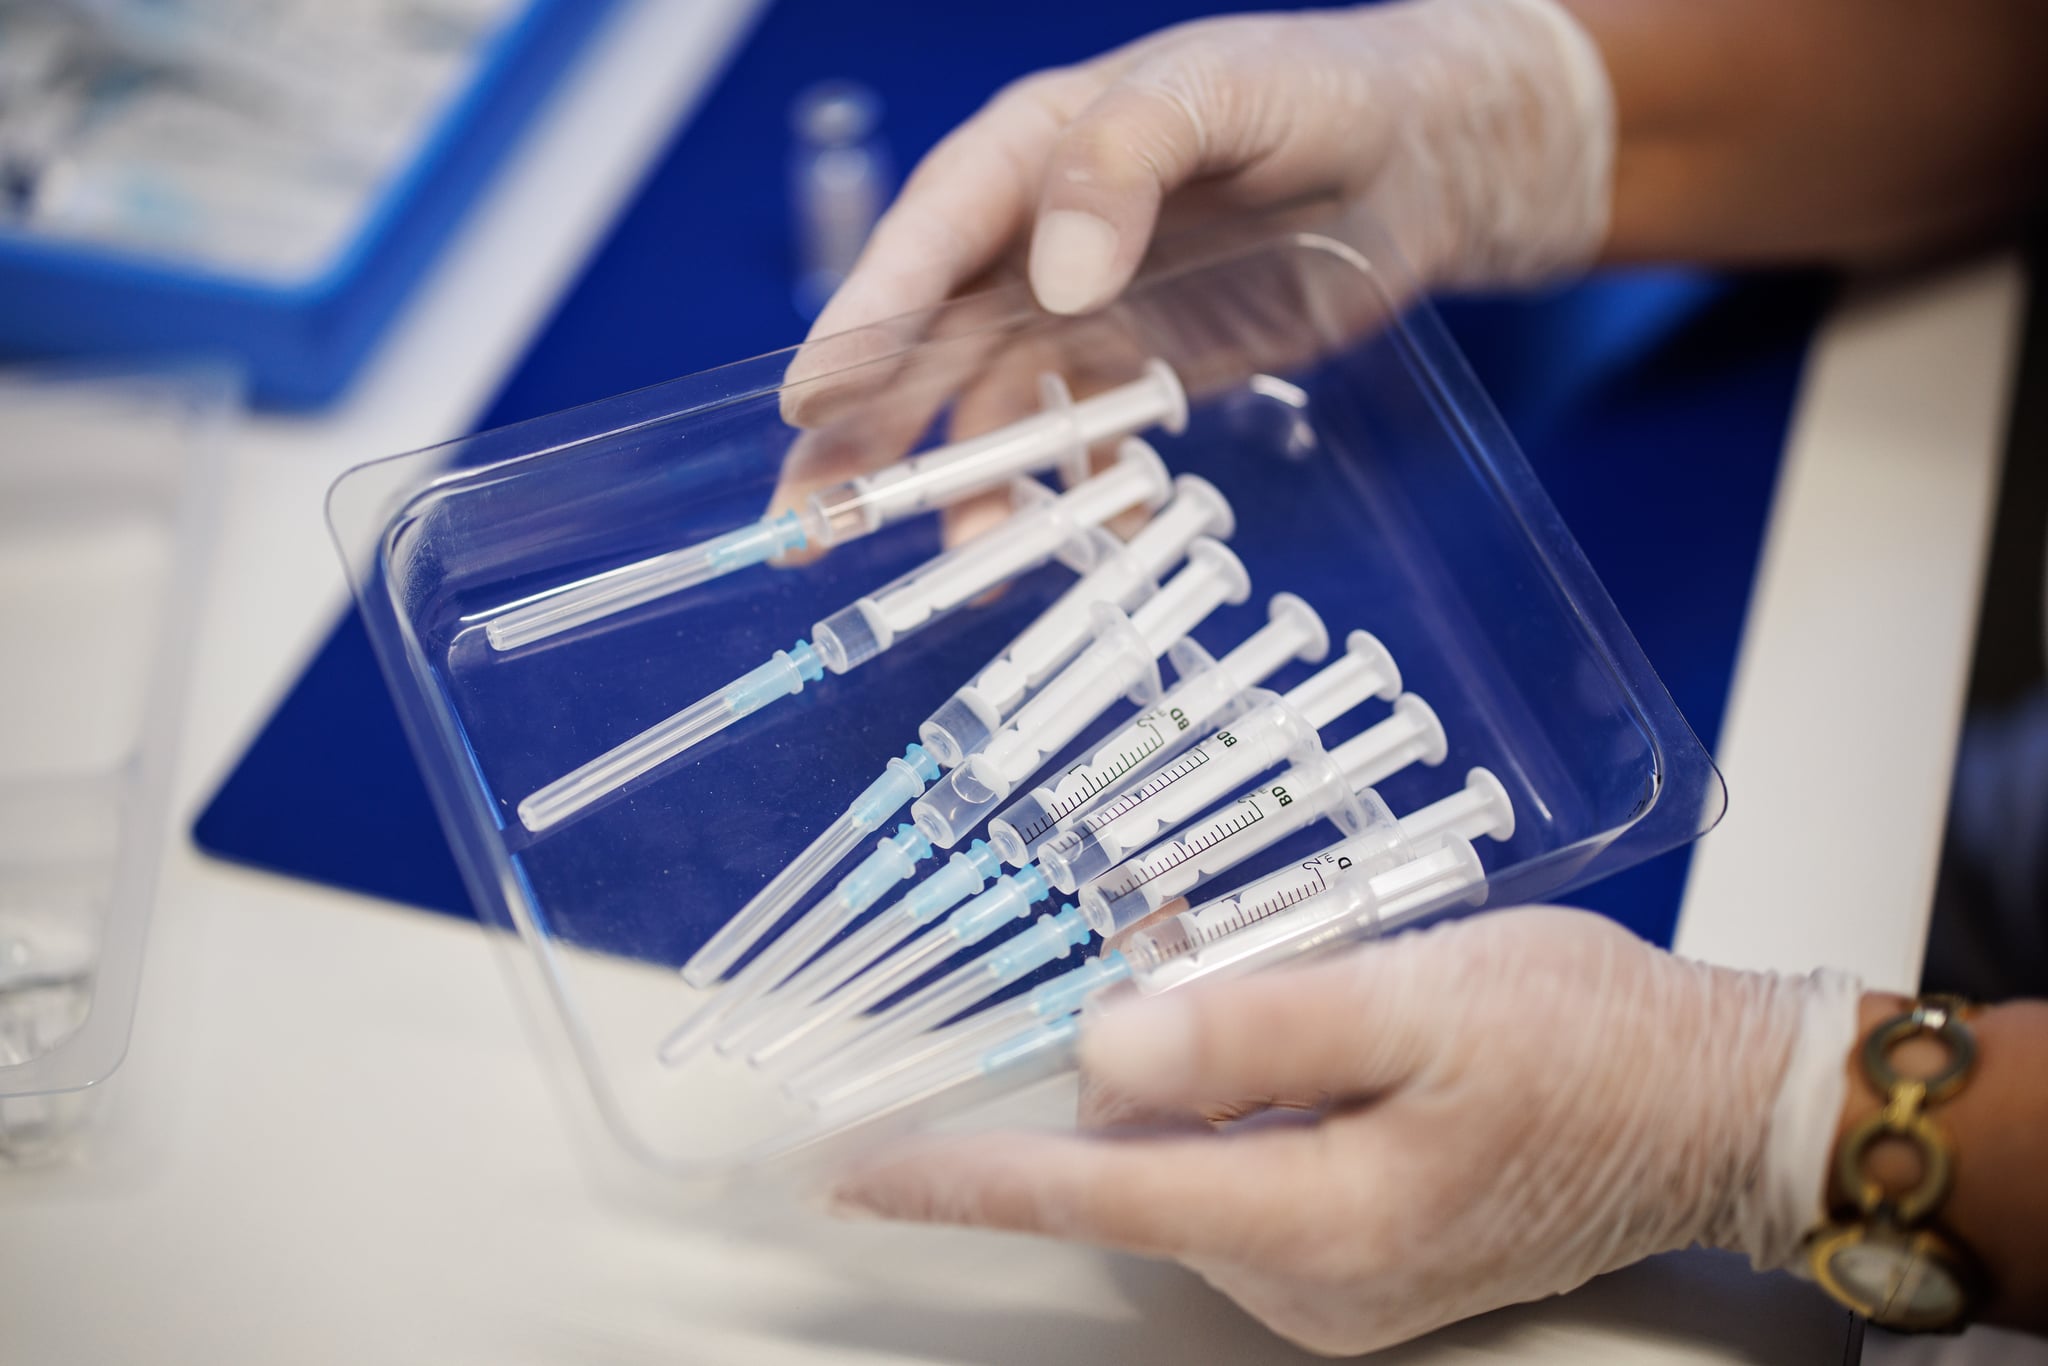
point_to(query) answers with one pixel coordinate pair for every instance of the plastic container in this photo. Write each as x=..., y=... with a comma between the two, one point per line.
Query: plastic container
x=105, y=501
x=1367, y=472
x=300, y=340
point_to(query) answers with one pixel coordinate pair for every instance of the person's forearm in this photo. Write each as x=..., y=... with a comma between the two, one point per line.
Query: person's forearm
x=1999, y=1204
x=1759, y=131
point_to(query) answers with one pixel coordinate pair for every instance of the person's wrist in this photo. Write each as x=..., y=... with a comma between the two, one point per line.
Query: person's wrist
x=1993, y=1125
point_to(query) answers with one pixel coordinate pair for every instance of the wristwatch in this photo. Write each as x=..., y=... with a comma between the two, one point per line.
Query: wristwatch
x=1882, y=1254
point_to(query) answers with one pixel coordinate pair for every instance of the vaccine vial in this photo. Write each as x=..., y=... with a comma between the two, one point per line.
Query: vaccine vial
x=839, y=181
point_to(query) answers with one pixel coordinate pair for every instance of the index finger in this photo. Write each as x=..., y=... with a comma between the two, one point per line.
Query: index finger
x=961, y=209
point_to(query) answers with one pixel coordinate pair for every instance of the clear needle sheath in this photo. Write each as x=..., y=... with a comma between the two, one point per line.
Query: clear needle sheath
x=962, y=877
x=785, y=672
x=894, y=859
x=1058, y=437
x=1043, y=526
x=1010, y=898
x=900, y=783
x=1045, y=940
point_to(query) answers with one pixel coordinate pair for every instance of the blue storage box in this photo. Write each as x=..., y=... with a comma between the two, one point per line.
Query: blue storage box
x=300, y=341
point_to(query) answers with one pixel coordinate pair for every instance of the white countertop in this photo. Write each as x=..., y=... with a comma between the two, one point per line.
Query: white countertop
x=333, y=1140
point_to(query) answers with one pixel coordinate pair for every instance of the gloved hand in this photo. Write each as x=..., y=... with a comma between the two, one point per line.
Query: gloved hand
x=1485, y=1113
x=1480, y=133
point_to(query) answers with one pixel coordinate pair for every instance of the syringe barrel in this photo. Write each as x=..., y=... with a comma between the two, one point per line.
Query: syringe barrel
x=1380, y=846
x=972, y=715
x=1043, y=525
x=1356, y=909
x=1262, y=738
x=1154, y=736
x=944, y=475
x=1258, y=820
x=1210, y=693
x=1049, y=439
x=1126, y=574
x=1117, y=664
x=1058, y=436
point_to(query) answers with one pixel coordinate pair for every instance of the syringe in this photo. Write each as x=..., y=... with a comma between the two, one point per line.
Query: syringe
x=1321, y=784
x=1480, y=808
x=798, y=1042
x=901, y=781
x=1345, y=914
x=1057, y=437
x=1125, y=574
x=1293, y=630
x=1324, y=785
x=1210, y=693
x=783, y=1009
x=1380, y=843
x=1121, y=661
x=894, y=859
x=1049, y=1021
x=1043, y=526
x=1278, y=730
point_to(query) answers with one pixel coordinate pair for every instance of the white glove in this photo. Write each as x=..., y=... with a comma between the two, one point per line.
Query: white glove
x=1501, y=1109
x=1480, y=131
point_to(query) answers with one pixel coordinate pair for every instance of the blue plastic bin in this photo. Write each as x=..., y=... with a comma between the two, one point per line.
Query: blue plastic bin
x=299, y=343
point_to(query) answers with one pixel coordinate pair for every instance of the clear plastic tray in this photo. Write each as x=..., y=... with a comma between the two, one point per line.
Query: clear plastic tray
x=1369, y=474
x=104, y=496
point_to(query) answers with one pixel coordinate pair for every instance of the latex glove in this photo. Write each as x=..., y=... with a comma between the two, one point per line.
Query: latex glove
x=1480, y=131
x=1502, y=1109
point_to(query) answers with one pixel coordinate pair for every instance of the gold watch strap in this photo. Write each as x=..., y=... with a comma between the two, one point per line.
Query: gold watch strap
x=1882, y=1255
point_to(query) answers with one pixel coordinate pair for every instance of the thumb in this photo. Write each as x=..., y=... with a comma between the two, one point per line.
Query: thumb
x=1352, y=1028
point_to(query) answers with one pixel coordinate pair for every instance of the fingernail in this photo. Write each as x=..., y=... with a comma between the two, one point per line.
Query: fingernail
x=1146, y=1045
x=1071, y=256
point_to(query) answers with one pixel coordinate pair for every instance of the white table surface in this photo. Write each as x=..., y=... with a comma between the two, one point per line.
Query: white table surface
x=333, y=1140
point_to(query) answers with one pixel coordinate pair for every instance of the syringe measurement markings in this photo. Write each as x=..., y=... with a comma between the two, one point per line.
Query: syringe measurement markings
x=1098, y=781
x=1183, y=850
x=1241, y=915
x=1146, y=791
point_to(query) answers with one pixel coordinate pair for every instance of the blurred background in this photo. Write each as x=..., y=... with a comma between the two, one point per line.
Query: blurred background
x=248, y=244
